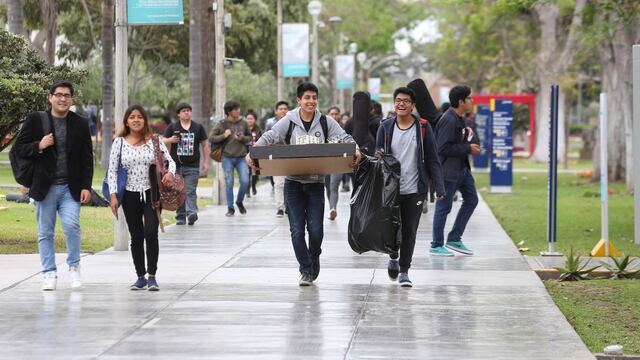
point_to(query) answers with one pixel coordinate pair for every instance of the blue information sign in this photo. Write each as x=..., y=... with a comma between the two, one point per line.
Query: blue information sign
x=501, y=146
x=483, y=131
x=154, y=12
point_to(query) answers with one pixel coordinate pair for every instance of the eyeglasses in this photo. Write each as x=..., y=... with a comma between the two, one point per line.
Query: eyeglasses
x=61, y=96
x=403, y=101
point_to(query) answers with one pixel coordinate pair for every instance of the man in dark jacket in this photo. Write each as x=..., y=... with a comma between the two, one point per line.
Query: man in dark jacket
x=63, y=170
x=412, y=143
x=454, y=147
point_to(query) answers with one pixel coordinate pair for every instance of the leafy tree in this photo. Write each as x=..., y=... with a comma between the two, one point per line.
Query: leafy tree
x=252, y=91
x=24, y=82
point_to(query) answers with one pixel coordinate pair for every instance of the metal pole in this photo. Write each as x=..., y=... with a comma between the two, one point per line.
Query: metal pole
x=604, y=196
x=280, y=77
x=314, y=56
x=121, y=233
x=218, y=186
x=636, y=139
x=553, y=173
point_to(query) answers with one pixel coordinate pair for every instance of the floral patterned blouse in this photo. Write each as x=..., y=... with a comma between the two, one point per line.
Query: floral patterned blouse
x=137, y=160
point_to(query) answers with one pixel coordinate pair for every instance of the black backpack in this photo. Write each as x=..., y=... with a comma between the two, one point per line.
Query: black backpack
x=22, y=167
x=323, y=124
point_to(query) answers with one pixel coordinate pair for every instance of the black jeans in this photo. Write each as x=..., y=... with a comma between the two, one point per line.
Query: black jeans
x=410, y=212
x=143, y=225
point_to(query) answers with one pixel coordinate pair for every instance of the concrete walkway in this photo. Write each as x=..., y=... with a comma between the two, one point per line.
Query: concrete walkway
x=229, y=291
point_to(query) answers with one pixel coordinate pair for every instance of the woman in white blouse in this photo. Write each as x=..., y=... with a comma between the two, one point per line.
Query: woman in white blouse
x=136, y=155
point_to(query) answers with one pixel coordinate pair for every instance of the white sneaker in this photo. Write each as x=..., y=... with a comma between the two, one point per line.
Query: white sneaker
x=49, y=281
x=74, y=273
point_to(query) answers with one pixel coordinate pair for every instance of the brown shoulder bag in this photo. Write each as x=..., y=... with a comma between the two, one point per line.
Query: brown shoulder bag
x=173, y=196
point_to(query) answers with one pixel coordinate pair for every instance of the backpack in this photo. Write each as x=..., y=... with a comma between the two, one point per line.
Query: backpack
x=323, y=124
x=216, y=149
x=23, y=168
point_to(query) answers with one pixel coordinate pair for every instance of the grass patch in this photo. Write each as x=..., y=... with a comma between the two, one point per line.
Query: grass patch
x=523, y=214
x=603, y=312
x=574, y=164
x=20, y=231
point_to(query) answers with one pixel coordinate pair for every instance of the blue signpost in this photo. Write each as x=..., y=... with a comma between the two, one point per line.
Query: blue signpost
x=553, y=173
x=483, y=131
x=154, y=12
x=501, y=146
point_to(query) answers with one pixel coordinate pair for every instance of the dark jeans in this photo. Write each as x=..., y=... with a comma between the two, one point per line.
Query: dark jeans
x=143, y=226
x=190, y=206
x=305, y=205
x=467, y=187
x=410, y=212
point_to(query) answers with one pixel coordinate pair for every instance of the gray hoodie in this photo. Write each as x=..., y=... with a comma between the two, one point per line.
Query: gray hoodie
x=278, y=133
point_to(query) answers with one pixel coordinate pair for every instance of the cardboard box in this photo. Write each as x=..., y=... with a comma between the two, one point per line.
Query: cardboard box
x=308, y=159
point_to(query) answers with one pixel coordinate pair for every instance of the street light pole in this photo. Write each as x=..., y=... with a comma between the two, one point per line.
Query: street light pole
x=280, y=81
x=121, y=233
x=335, y=22
x=636, y=139
x=218, y=186
x=314, y=8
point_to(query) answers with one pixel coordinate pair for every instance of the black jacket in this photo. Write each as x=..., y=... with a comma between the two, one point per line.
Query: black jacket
x=453, y=147
x=79, y=154
x=428, y=164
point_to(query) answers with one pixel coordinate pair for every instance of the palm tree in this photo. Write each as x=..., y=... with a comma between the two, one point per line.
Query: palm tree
x=107, y=80
x=16, y=17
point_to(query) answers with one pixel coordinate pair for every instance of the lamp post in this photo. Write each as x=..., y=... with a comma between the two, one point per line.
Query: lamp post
x=362, y=57
x=314, y=8
x=335, y=22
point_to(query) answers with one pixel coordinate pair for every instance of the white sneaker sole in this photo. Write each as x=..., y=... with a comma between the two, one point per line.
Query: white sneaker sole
x=406, y=284
x=441, y=255
x=460, y=251
x=76, y=285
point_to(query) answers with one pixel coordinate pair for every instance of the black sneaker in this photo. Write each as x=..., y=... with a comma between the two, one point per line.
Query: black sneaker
x=404, y=280
x=180, y=222
x=305, y=279
x=254, y=192
x=230, y=212
x=315, y=268
x=192, y=218
x=393, y=269
x=241, y=208
x=280, y=213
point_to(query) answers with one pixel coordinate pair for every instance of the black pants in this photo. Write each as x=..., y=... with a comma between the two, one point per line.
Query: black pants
x=143, y=225
x=410, y=212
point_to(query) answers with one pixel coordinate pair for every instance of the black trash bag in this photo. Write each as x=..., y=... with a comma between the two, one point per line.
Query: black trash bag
x=96, y=200
x=374, y=224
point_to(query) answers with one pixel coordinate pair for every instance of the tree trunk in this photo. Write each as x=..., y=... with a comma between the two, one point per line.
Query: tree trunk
x=208, y=22
x=195, y=58
x=553, y=61
x=15, y=14
x=107, y=38
x=49, y=10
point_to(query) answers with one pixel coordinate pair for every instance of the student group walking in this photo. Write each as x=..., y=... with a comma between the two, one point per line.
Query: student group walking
x=433, y=154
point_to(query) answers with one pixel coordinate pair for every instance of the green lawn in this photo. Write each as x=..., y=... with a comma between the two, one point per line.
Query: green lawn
x=20, y=231
x=574, y=164
x=523, y=214
x=603, y=312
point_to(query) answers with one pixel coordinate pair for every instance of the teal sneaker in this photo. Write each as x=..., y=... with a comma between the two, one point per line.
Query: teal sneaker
x=440, y=251
x=459, y=247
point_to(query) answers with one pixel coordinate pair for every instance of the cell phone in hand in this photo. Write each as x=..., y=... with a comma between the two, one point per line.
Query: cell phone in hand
x=176, y=133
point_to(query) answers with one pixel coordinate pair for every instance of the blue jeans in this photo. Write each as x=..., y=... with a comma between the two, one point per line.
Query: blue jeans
x=467, y=187
x=305, y=206
x=190, y=206
x=58, y=200
x=240, y=164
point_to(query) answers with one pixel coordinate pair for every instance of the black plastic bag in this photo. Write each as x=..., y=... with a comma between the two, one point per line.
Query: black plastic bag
x=375, y=216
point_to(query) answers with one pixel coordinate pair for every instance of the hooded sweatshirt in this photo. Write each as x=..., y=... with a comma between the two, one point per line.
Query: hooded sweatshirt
x=278, y=133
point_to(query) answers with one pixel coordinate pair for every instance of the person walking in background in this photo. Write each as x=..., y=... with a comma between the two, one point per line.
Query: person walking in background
x=332, y=181
x=188, y=137
x=63, y=170
x=134, y=148
x=233, y=135
x=454, y=148
x=277, y=182
x=251, y=119
x=304, y=195
x=412, y=143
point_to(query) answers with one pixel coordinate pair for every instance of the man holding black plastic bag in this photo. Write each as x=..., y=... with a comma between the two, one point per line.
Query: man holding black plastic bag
x=411, y=141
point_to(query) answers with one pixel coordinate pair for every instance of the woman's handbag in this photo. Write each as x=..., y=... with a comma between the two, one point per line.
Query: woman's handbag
x=173, y=196
x=121, y=179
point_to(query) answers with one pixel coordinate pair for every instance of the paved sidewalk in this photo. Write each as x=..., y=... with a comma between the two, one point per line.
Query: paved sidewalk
x=229, y=291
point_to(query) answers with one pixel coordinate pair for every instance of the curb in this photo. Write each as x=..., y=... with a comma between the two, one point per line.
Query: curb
x=617, y=357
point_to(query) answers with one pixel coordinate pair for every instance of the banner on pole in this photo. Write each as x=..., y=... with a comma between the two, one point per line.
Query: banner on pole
x=295, y=50
x=155, y=12
x=345, y=71
x=373, y=84
x=501, y=146
x=483, y=132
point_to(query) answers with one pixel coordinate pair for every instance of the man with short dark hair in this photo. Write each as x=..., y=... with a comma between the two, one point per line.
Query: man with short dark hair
x=454, y=147
x=233, y=135
x=278, y=181
x=304, y=195
x=410, y=140
x=63, y=170
x=187, y=135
